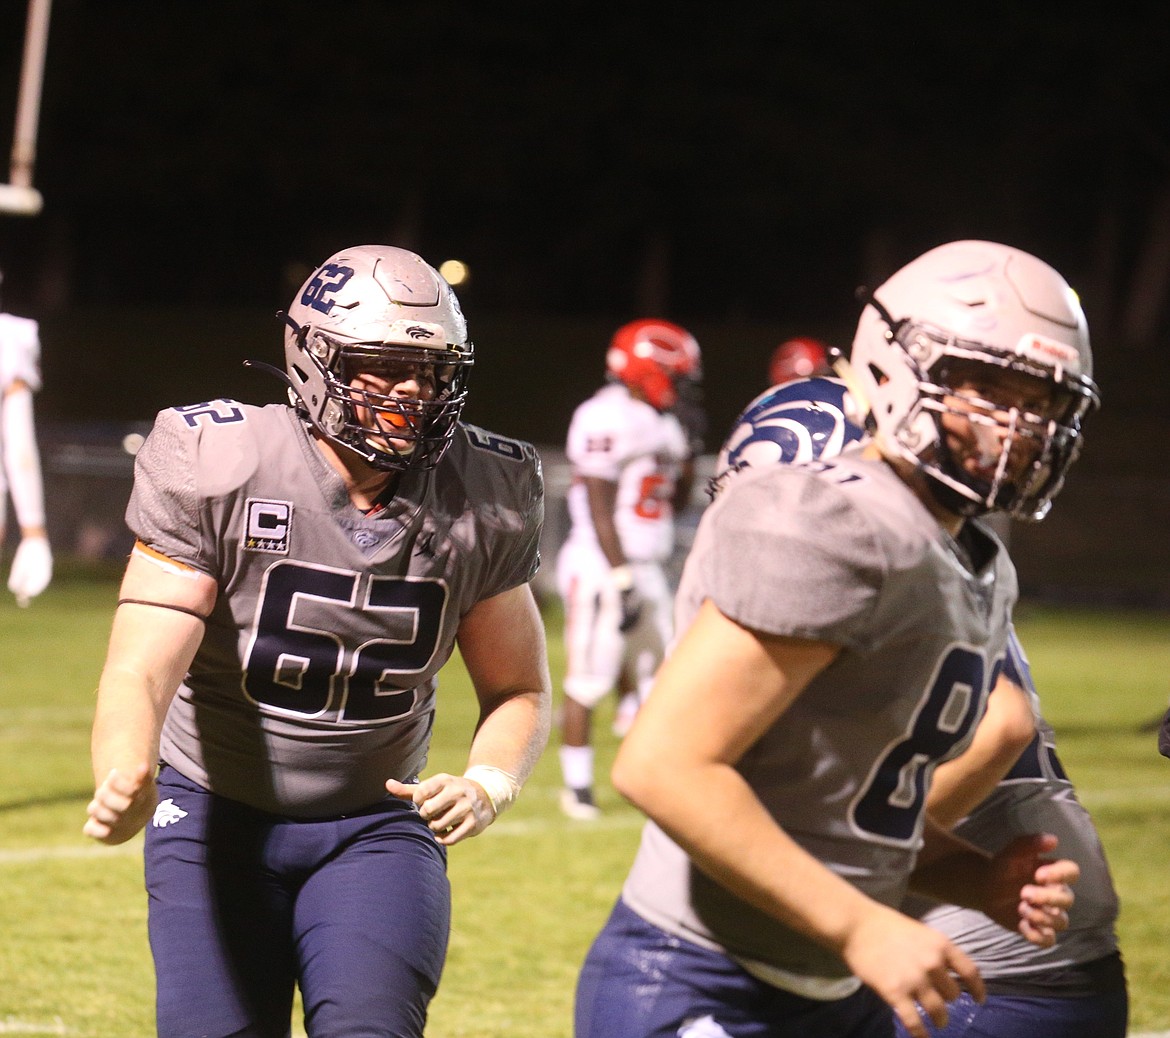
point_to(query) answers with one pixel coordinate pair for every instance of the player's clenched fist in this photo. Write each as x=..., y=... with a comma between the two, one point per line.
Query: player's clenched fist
x=121, y=805
x=910, y=966
x=1030, y=893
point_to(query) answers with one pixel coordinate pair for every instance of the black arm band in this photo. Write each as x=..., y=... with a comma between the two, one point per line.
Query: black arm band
x=162, y=605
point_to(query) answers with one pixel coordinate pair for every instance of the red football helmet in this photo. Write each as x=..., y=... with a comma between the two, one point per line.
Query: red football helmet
x=650, y=356
x=798, y=358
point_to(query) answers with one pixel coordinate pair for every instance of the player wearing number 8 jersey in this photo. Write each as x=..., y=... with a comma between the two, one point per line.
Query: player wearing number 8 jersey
x=1075, y=988
x=301, y=575
x=842, y=623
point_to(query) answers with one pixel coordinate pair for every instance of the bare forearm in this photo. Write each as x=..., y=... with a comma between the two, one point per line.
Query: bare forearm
x=958, y=786
x=513, y=734
x=150, y=650
x=778, y=877
x=22, y=462
x=948, y=868
x=126, y=728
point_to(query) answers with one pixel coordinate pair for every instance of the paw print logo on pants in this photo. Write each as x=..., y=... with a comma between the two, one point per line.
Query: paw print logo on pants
x=167, y=813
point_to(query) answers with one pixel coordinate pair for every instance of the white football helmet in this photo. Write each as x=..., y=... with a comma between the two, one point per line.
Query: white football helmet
x=976, y=306
x=368, y=304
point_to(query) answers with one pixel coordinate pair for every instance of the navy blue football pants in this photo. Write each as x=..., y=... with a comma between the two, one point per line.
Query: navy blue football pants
x=640, y=982
x=1101, y=1015
x=243, y=905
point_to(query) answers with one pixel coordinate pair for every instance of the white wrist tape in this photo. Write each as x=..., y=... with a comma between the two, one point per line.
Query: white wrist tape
x=500, y=787
x=622, y=577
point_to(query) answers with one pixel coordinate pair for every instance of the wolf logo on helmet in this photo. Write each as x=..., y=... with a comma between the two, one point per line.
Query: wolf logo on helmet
x=799, y=421
x=378, y=305
x=974, y=313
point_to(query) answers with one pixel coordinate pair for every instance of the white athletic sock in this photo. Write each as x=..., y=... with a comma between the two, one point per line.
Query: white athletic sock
x=577, y=766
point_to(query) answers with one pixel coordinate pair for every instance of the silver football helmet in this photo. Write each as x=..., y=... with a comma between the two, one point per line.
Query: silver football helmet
x=371, y=306
x=965, y=313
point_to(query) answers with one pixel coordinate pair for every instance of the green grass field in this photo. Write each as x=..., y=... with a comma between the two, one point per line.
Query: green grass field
x=530, y=893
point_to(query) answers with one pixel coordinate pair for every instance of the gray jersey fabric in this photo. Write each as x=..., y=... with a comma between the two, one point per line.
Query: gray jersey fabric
x=845, y=553
x=316, y=678
x=1035, y=797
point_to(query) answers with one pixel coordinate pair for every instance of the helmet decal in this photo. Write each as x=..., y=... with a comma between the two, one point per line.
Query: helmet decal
x=323, y=285
x=801, y=421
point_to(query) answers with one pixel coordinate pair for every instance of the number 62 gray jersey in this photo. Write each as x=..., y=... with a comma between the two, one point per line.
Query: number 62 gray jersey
x=316, y=678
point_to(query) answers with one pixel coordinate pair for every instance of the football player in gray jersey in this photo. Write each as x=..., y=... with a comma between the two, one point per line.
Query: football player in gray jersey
x=1008, y=782
x=1076, y=988
x=300, y=576
x=842, y=623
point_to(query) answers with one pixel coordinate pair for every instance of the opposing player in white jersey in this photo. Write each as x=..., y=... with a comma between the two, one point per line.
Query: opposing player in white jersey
x=1076, y=988
x=20, y=463
x=842, y=622
x=632, y=469
x=301, y=575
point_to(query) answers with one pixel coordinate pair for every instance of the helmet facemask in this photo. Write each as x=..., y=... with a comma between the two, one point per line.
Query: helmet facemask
x=400, y=432
x=1022, y=421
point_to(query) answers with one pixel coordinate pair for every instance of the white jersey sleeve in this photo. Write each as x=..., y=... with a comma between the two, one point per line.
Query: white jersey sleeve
x=20, y=352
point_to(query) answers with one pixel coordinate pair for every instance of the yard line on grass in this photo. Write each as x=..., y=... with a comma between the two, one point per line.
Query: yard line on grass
x=14, y=1025
x=31, y=855
x=1135, y=795
x=506, y=827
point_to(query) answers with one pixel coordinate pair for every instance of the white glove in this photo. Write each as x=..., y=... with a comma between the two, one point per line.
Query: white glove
x=32, y=569
x=629, y=600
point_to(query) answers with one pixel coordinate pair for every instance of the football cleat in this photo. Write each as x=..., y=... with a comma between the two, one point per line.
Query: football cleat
x=578, y=804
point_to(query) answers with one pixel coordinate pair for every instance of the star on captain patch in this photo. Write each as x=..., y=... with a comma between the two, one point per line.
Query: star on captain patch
x=267, y=525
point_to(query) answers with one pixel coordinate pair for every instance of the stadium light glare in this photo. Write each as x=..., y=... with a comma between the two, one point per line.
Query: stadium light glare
x=454, y=271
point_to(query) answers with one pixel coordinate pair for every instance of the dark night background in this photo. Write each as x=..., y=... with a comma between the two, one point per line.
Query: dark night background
x=739, y=168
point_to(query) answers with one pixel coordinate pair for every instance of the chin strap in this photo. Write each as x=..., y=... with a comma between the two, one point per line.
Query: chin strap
x=272, y=369
x=844, y=371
